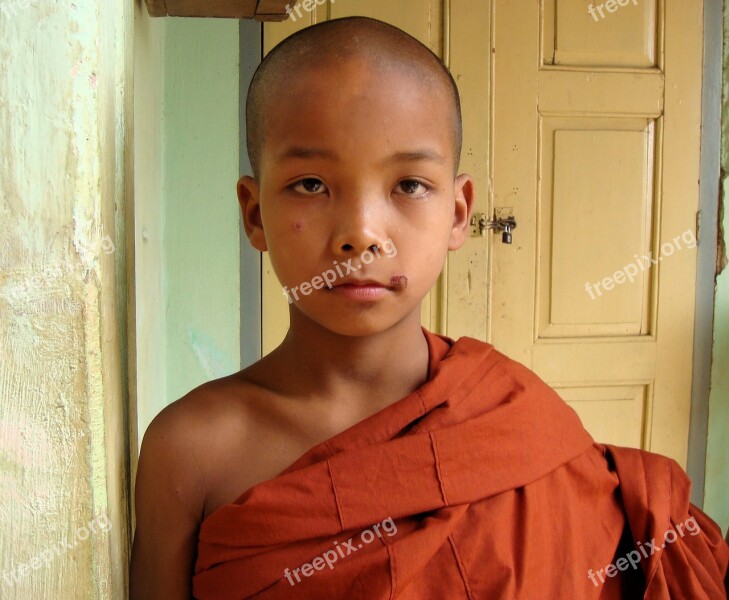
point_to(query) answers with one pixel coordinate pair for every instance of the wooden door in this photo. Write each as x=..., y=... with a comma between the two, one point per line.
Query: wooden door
x=596, y=126
x=583, y=123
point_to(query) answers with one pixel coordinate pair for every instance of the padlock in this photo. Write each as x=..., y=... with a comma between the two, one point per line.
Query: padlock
x=480, y=224
x=506, y=235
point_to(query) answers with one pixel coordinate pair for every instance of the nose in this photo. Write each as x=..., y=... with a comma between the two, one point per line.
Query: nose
x=359, y=227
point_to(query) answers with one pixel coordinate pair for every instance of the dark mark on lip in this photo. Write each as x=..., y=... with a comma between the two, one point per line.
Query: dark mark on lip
x=399, y=282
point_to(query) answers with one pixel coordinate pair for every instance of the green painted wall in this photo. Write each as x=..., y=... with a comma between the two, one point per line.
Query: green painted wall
x=201, y=215
x=187, y=264
x=196, y=278
x=716, y=500
x=148, y=330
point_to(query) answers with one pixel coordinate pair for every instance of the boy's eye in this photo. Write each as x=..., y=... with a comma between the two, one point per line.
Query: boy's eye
x=309, y=186
x=411, y=187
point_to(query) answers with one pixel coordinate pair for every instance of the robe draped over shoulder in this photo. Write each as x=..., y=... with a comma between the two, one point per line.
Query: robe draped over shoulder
x=480, y=484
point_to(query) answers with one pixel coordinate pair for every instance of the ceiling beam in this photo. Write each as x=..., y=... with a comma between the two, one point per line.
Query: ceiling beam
x=261, y=10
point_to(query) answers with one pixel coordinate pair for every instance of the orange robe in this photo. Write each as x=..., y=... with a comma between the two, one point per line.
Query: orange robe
x=480, y=484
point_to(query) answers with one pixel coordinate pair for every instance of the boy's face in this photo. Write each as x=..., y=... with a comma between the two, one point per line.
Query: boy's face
x=352, y=158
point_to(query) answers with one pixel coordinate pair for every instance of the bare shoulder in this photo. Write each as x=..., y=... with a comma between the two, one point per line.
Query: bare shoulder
x=176, y=460
x=186, y=441
x=198, y=454
x=195, y=426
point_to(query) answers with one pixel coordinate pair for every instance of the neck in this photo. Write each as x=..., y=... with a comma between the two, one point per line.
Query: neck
x=374, y=369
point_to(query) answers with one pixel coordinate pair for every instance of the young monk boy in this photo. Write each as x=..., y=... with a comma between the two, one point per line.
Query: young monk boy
x=367, y=458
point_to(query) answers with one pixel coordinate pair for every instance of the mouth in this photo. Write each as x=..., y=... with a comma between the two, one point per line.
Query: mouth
x=352, y=282
x=361, y=291
x=368, y=289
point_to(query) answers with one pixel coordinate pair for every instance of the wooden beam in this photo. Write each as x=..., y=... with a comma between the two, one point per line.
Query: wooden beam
x=157, y=8
x=238, y=9
x=273, y=10
x=261, y=10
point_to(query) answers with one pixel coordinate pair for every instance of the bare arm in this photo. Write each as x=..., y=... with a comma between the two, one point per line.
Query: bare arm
x=169, y=500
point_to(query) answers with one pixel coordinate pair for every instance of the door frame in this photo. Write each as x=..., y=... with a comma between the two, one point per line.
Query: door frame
x=706, y=251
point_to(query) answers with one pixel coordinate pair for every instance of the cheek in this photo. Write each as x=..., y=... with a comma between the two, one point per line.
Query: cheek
x=289, y=233
x=430, y=255
x=293, y=243
x=430, y=243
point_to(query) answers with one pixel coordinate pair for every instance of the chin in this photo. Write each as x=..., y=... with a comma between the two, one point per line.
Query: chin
x=358, y=323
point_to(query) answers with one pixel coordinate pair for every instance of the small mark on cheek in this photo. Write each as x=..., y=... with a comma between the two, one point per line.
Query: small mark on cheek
x=298, y=226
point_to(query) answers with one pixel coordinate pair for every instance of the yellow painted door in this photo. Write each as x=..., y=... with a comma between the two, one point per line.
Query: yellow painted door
x=596, y=126
x=582, y=120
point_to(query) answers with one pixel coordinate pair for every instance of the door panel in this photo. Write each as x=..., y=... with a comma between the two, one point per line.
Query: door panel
x=620, y=408
x=596, y=201
x=575, y=34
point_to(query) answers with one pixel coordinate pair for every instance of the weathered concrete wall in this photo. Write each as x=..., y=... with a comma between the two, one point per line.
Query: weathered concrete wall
x=64, y=77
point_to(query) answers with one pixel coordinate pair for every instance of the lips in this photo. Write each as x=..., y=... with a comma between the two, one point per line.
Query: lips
x=361, y=290
x=360, y=283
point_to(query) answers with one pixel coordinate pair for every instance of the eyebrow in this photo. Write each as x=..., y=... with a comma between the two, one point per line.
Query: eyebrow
x=417, y=155
x=302, y=152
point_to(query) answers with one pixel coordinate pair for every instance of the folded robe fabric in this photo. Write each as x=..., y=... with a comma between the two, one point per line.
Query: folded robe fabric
x=482, y=483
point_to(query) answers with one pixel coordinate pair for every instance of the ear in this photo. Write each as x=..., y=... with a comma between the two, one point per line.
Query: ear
x=465, y=198
x=249, y=198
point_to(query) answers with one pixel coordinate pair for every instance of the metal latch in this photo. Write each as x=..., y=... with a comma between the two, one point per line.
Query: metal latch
x=503, y=221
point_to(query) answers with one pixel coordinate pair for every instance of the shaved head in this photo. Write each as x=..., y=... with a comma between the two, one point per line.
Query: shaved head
x=384, y=47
